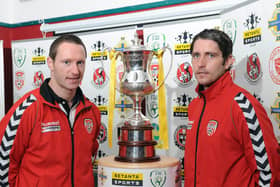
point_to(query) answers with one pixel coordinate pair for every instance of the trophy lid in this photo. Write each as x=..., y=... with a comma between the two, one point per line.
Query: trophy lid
x=136, y=45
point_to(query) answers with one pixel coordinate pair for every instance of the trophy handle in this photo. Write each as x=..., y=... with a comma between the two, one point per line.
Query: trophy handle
x=159, y=57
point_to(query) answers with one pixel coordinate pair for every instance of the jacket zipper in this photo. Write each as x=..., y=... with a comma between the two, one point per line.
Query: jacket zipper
x=197, y=133
x=72, y=139
x=72, y=164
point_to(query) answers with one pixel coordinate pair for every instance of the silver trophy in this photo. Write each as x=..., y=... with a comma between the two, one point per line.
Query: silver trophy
x=136, y=142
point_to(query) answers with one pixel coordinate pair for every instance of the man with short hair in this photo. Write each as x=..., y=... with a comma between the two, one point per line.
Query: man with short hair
x=230, y=142
x=49, y=136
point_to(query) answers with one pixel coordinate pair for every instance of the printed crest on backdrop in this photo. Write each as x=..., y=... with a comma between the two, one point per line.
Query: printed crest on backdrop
x=101, y=103
x=154, y=72
x=88, y=124
x=253, y=67
x=99, y=78
x=253, y=34
x=184, y=76
x=180, y=136
x=102, y=177
x=274, y=22
x=102, y=137
x=155, y=41
x=183, y=46
x=275, y=109
x=119, y=70
x=98, y=51
x=180, y=110
x=230, y=27
x=158, y=178
x=155, y=131
x=123, y=105
x=38, y=79
x=212, y=127
x=121, y=45
x=274, y=65
x=152, y=105
x=39, y=58
x=19, y=79
x=127, y=179
x=19, y=56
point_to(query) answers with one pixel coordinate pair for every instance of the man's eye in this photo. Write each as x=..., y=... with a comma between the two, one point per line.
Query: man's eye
x=195, y=56
x=211, y=55
x=80, y=62
x=66, y=62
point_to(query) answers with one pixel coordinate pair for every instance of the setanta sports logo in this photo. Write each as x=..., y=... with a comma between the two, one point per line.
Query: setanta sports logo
x=39, y=57
x=127, y=179
x=253, y=34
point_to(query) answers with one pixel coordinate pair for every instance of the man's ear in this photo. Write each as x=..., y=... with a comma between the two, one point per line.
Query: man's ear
x=229, y=62
x=50, y=62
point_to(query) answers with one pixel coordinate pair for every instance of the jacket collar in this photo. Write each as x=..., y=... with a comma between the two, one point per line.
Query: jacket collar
x=49, y=95
x=216, y=88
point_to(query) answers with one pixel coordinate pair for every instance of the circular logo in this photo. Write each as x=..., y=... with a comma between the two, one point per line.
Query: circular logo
x=180, y=136
x=274, y=65
x=102, y=133
x=253, y=68
x=184, y=74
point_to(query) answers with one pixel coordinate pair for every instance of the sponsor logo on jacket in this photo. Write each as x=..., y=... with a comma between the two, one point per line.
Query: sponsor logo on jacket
x=50, y=126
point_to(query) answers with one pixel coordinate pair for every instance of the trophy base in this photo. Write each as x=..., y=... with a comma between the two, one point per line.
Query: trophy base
x=136, y=144
x=137, y=160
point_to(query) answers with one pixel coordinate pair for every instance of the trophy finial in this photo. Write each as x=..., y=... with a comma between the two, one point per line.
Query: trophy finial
x=136, y=41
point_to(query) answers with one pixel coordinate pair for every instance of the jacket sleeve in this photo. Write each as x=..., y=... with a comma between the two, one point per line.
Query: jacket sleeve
x=258, y=140
x=14, y=134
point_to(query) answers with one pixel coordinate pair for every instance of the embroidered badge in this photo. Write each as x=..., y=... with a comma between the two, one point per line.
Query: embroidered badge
x=88, y=123
x=211, y=127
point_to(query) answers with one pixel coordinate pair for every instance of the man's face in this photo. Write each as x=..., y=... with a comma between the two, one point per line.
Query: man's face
x=208, y=62
x=68, y=68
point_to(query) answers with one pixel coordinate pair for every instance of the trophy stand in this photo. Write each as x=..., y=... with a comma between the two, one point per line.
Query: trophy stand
x=136, y=142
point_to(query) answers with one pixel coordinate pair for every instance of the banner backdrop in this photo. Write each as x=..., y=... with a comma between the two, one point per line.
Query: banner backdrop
x=2, y=94
x=253, y=29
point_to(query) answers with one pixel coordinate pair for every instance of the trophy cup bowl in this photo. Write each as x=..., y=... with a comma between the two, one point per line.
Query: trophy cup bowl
x=136, y=142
